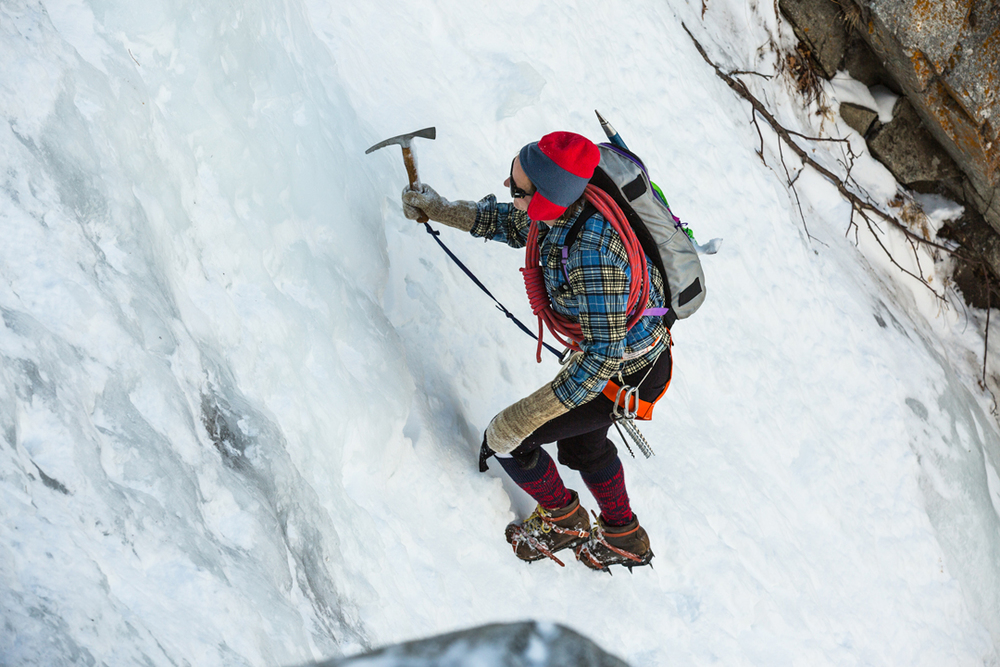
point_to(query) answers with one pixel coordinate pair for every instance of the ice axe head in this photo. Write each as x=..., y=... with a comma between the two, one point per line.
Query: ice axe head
x=409, y=160
x=404, y=141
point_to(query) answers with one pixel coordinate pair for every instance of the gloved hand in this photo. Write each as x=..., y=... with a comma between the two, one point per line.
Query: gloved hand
x=457, y=214
x=516, y=422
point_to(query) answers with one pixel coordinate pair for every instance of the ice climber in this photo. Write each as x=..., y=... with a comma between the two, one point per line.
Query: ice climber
x=547, y=182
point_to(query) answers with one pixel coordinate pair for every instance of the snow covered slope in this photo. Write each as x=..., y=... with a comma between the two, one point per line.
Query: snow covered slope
x=242, y=396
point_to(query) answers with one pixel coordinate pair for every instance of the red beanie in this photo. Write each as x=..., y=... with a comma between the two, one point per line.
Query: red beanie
x=559, y=165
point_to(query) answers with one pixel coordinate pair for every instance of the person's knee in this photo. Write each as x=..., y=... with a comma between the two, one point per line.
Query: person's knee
x=586, y=459
x=528, y=458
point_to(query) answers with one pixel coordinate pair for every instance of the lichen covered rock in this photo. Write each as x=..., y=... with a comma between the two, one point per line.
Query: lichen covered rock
x=944, y=56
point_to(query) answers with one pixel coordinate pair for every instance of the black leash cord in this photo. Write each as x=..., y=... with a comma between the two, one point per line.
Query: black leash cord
x=436, y=236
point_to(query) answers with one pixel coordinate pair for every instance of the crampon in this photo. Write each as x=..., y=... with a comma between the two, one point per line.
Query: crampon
x=546, y=531
x=613, y=545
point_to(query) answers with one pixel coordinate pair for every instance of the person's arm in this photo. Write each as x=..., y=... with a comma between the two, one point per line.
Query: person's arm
x=457, y=214
x=485, y=219
x=501, y=222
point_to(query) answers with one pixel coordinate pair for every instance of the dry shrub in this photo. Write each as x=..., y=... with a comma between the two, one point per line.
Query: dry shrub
x=911, y=213
x=851, y=15
x=805, y=71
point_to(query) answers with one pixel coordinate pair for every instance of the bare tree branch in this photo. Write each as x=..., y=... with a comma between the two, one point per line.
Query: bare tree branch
x=786, y=135
x=763, y=76
x=791, y=183
x=862, y=206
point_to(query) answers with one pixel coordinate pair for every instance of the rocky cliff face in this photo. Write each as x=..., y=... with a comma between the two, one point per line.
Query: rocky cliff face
x=945, y=58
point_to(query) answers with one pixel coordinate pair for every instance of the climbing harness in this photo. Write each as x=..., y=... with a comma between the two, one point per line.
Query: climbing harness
x=627, y=407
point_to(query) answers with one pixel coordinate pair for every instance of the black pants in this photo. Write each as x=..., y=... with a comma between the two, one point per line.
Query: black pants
x=581, y=435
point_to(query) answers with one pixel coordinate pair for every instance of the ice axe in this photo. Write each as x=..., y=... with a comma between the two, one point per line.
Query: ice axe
x=409, y=160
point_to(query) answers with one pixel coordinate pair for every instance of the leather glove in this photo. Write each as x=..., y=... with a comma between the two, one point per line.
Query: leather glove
x=457, y=214
x=516, y=422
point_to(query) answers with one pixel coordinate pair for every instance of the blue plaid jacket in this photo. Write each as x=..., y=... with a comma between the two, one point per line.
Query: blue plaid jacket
x=595, y=296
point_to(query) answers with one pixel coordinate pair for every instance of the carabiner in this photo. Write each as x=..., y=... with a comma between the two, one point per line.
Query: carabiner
x=631, y=394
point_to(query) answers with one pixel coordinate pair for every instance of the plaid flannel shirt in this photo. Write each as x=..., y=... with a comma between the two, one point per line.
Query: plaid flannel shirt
x=595, y=296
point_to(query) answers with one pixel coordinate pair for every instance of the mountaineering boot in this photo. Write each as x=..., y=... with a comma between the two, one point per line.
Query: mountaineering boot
x=626, y=545
x=549, y=530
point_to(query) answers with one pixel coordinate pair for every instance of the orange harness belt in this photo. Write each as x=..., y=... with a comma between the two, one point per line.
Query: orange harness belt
x=644, y=411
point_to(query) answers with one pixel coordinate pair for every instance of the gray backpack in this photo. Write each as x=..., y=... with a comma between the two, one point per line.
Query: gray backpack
x=663, y=237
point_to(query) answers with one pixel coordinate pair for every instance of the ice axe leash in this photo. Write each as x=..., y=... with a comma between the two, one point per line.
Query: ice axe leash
x=410, y=162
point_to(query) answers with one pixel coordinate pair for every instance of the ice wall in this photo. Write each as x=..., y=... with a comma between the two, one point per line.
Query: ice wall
x=183, y=246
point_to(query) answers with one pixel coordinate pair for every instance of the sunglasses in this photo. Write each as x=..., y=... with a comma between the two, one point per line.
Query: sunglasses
x=516, y=192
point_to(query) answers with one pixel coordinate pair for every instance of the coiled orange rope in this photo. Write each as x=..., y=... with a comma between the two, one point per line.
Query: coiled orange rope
x=534, y=279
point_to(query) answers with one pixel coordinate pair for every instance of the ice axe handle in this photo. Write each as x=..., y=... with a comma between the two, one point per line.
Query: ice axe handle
x=411, y=172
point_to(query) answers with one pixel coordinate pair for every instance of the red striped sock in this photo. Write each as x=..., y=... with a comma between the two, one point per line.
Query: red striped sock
x=608, y=489
x=542, y=481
